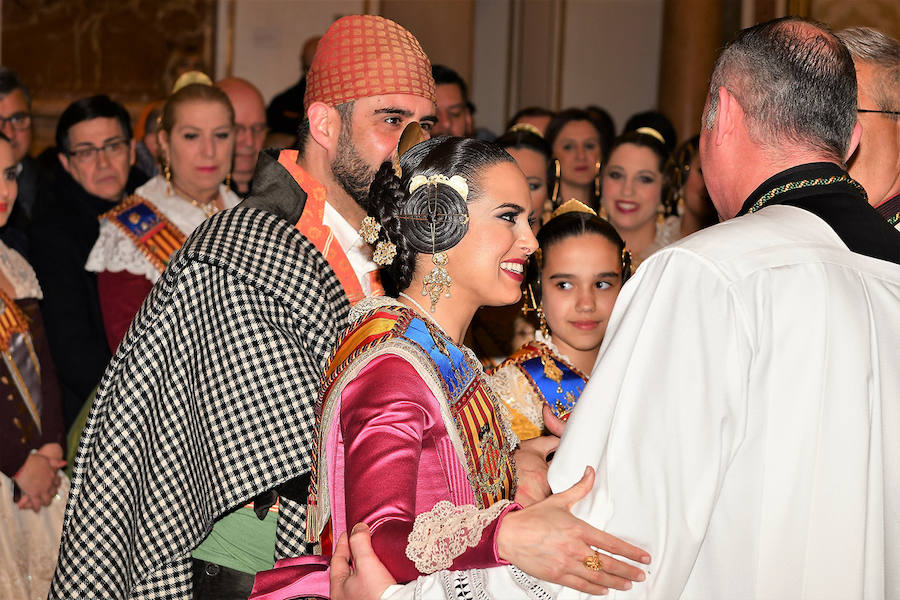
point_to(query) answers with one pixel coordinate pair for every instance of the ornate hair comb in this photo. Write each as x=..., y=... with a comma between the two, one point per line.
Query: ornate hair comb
x=572, y=205
x=457, y=182
x=412, y=135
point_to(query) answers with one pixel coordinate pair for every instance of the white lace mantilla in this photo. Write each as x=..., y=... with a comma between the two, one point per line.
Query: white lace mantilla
x=443, y=533
x=114, y=251
x=19, y=273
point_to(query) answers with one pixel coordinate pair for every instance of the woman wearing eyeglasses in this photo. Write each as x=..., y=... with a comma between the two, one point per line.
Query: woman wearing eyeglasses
x=196, y=138
x=32, y=490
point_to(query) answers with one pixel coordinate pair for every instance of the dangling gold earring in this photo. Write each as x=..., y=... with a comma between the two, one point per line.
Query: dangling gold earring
x=551, y=201
x=597, y=166
x=437, y=279
x=228, y=180
x=660, y=214
x=168, y=178
x=542, y=320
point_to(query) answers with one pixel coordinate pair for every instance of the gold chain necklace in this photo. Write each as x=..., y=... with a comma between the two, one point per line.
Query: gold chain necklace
x=209, y=208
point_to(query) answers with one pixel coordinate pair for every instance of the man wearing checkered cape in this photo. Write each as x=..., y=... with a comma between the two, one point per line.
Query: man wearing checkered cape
x=209, y=400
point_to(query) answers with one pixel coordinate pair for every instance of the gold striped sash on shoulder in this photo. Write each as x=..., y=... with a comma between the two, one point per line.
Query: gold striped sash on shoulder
x=154, y=235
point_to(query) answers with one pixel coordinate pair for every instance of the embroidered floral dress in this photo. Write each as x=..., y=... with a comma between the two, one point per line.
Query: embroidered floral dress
x=534, y=375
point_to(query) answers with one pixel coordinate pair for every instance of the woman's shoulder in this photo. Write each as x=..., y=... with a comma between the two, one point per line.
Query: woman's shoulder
x=18, y=271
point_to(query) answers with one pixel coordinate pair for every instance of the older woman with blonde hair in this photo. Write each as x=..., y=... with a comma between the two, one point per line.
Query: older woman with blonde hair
x=196, y=143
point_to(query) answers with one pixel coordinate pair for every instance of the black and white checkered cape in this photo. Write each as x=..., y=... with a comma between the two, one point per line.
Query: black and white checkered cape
x=208, y=402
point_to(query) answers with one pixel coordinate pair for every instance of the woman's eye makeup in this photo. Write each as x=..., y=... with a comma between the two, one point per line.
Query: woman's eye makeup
x=9, y=174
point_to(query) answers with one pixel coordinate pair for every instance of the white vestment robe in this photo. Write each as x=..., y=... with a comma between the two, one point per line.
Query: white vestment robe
x=743, y=418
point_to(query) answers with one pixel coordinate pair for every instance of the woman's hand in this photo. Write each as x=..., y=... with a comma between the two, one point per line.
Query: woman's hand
x=545, y=540
x=368, y=578
x=38, y=479
x=531, y=469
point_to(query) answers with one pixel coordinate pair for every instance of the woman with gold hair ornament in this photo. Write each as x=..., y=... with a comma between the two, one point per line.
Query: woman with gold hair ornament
x=572, y=283
x=137, y=237
x=411, y=439
x=634, y=186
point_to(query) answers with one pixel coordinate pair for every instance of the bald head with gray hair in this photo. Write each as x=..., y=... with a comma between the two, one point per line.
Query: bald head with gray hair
x=795, y=82
x=882, y=52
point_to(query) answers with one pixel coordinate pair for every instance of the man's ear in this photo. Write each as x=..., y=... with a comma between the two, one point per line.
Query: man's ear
x=854, y=141
x=727, y=117
x=324, y=125
x=64, y=161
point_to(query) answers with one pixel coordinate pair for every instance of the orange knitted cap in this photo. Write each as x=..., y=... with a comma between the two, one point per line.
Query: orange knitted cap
x=367, y=55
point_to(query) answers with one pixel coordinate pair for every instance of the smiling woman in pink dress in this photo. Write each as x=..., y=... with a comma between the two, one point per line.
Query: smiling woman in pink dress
x=411, y=437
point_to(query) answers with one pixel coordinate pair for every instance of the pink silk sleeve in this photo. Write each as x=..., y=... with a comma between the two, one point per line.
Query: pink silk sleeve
x=390, y=422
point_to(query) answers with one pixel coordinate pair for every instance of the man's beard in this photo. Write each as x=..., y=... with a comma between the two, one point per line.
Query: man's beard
x=350, y=170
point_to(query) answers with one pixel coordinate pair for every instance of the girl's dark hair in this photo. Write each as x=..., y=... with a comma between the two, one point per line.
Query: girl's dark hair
x=564, y=118
x=678, y=170
x=657, y=121
x=572, y=224
x=522, y=138
x=645, y=140
x=407, y=217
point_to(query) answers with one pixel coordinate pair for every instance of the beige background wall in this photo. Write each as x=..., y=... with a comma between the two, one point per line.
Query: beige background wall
x=514, y=53
x=264, y=37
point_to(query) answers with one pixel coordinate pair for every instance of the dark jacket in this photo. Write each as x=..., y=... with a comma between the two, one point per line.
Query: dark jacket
x=208, y=402
x=61, y=236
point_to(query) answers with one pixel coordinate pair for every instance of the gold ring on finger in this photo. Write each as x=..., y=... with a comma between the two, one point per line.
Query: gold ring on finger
x=593, y=562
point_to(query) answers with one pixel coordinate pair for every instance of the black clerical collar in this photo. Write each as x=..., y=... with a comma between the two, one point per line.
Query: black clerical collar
x=825, y=190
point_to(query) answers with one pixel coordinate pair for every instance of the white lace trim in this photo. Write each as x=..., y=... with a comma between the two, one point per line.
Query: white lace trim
x=443, y=533
x=114, y=251
x=19, y=273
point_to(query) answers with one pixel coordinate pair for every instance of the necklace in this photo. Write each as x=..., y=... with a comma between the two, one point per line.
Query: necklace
x=805, y=183
x=209, y=208
x=422, y=311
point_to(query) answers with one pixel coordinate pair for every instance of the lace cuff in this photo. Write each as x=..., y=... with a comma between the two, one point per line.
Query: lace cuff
x=443, y=533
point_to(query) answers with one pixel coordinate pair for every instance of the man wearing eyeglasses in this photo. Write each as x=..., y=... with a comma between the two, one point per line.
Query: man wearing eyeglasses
x=15, y=122
x=250, y=130
x=876, y=164
x=95, y=172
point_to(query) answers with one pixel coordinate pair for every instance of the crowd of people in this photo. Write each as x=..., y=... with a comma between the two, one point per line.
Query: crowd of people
x=353, y=345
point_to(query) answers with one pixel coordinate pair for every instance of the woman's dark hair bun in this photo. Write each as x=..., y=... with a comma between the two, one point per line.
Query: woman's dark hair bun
x=434, y=205
x=407, y=218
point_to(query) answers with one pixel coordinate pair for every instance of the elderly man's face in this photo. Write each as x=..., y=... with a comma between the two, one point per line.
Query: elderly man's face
x=452, y=112
x=250, y=131
x=99, y=157
x=17, y=122
x=876, y=163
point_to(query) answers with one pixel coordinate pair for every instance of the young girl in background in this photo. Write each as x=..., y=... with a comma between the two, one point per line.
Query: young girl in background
x=573, y=281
